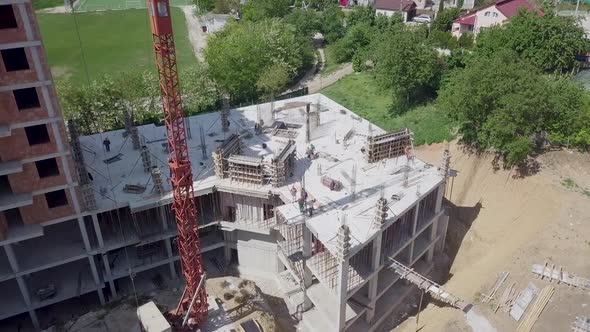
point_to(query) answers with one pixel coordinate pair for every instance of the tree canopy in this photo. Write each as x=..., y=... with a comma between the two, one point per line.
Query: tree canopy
x=502, y=103
x=258, y=10
x=239, y=54
x=99, y=106
x=407, y=65
x=549, y=42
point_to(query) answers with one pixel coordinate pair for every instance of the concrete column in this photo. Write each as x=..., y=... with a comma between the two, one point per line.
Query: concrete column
x=376, y=263
x=171, y=264
x=107, y=268
x=34, y=319
x=24, y=290
x=343, y=238
x=11, y=258
x=307, y=276
x=84, y=233
x=96, y=279
x=439, y=197
x=97, y=230
x=415, y=227
x=342, y=293
x=226, y=248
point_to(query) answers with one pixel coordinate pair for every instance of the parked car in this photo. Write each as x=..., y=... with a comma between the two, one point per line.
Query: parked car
x=422, y=19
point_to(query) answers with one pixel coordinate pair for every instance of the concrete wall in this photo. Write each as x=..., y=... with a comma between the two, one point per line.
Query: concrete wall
x=257, y=252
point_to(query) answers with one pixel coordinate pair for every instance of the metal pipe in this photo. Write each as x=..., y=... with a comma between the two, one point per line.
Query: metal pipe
x=194, y=299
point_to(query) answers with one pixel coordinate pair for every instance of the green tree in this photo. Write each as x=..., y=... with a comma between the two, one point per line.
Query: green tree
x=357, y=38
x=273, y=81
x=199, y=91
x=466, y=40
x=501, y=102
x=238, y=55
x=306, y=22
x=361, y=15
x=258, y=10
x=226, y=6
x=406, y=65
x=441, y=6
x=444, y=19
x=549, y=42
x=331, y=24
x=204, y=6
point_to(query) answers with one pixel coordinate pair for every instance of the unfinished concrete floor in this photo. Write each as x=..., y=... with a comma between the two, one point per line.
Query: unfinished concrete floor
x=507, y=224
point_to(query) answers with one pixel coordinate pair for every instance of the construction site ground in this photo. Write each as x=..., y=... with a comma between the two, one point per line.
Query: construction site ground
x=503, y=222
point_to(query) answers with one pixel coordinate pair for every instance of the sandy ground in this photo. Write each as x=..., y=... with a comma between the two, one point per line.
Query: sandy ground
x=502, y=223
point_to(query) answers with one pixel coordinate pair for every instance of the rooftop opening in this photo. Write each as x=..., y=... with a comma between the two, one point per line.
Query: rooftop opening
x=37, y=134
x=47, y=167
x=56, y=198
x=7, y=19
x=15, y=59
x=26, y=98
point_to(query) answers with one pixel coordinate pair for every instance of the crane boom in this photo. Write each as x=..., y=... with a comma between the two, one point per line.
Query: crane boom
x=181, y=175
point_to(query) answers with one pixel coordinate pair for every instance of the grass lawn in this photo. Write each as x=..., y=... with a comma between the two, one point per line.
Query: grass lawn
x=361, y=94
x=113, y=41
x=40, y=4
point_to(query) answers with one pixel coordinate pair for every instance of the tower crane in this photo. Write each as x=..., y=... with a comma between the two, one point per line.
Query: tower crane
x=192, y=308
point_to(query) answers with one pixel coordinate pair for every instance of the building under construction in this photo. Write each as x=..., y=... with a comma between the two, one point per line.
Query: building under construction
x=301, y=190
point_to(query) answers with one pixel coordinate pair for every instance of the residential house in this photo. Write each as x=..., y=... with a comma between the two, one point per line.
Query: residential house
x=493, y=14
x=407, y=8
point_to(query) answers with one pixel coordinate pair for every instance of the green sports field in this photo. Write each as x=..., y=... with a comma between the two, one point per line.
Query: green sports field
x=100, y=5
x=112, y=41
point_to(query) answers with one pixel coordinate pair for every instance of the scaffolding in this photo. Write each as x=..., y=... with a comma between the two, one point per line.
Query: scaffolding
x=282, y=165
x=231, y=146
x=246, y=169
x=360, y=266
x=388, y=145
x=292, y=248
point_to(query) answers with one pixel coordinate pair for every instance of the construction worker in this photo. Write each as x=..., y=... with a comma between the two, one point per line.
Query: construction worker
x=107, y=144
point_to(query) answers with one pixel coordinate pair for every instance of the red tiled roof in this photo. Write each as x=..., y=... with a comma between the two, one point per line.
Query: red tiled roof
x=395, y=5
x=508, y=8
x=466, y=20
x=511, y=7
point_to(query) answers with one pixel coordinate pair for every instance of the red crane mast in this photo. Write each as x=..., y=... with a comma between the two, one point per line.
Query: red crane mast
x=193, y=303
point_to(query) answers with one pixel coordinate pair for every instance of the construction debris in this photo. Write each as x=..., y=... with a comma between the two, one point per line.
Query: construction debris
x=113, y=159
x=523, y=300
x=333, y=184
x=531, y=317
x=581, y=324
x=490, y=296
x=134, y=189
x=553, y=273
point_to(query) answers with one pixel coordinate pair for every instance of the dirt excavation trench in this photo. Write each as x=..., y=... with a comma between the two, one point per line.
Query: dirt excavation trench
x=501, y=222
